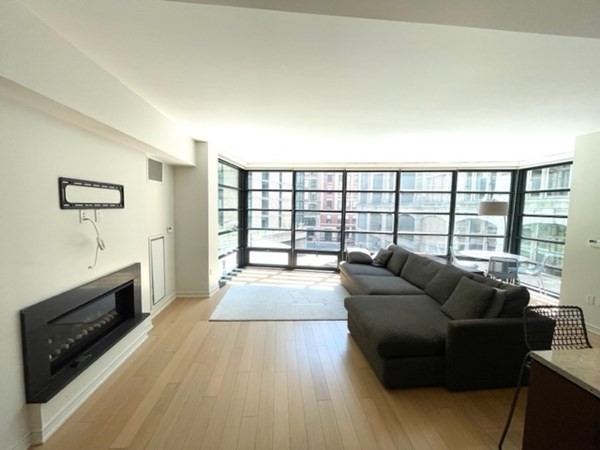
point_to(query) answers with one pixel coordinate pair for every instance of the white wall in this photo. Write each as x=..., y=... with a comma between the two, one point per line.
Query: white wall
x=45, y=250
x=581, y=273
x=63, y=115
x=196, y=196
x=36, y=57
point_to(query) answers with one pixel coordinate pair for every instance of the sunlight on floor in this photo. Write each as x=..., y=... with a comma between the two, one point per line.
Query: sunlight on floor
x=281, y=277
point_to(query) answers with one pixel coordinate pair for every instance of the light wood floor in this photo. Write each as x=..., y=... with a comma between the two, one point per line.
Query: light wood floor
x=272, y=385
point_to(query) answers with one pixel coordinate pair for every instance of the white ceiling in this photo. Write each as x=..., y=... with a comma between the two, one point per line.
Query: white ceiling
x=271, y=88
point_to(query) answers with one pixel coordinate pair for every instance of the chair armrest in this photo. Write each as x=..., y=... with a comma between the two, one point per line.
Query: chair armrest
x=484, y=353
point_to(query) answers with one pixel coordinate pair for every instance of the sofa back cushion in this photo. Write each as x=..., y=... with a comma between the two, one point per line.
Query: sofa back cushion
x=397, y=260
x=470, y=300
x=496, y=304
x=420, y=270
x=444, y=282
x=516, y=297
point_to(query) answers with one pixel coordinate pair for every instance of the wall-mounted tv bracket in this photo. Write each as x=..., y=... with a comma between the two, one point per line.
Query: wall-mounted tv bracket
x=85, y=194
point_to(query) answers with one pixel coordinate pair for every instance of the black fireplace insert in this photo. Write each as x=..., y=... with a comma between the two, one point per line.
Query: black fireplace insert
x=66, y=333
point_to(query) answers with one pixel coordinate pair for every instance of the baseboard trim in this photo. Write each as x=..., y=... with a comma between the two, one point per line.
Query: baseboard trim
x=201, y=294
x=41, y=435
x=160, y=306
x=593, y=328
x=24, y=444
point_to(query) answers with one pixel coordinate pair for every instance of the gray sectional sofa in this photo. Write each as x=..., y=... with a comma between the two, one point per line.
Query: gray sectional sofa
x=420, y=322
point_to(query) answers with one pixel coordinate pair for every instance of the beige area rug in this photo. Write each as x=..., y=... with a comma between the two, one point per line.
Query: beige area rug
x=273, y=302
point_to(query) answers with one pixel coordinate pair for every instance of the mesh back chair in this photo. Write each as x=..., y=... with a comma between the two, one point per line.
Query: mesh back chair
x=535, y=269
x=505, y=269
x=548, y=328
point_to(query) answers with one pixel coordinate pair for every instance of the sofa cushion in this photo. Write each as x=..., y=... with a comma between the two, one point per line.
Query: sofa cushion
x=384, y=285
x=359, y=257
x=420, y=270
x=444, y=282
x=399, y=326
x=496, y=304
x=351, y=269
x=398, y=259
x=517, y=297
x=488, y=281
x=381, y=257
x=470, y=300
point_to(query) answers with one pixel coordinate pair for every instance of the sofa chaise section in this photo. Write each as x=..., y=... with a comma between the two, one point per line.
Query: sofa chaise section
x=403, y=337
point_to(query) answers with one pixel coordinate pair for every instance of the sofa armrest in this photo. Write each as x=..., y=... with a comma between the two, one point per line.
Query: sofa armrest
x=484, y=353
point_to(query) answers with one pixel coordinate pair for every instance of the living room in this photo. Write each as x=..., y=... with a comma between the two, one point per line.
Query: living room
x=68, y=113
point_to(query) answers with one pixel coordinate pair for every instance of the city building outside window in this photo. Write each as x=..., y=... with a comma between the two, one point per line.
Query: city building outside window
x=424, y=211
x=310, y=218
x=472, y=231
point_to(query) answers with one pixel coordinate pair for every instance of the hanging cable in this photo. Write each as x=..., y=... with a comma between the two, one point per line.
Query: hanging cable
x=99, y=243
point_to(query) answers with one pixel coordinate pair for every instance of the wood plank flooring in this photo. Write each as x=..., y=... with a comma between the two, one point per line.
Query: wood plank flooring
x=196, y=384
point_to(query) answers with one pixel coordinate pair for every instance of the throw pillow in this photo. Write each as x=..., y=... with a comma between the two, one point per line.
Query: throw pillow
x=470, y=300
x=359, y=257
x=381, y=258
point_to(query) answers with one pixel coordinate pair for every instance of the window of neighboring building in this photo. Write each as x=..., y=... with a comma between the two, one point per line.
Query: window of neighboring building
x=318, y=227
x=424, y=211
x=472, y=231
x=370, y=213
x=269, y=216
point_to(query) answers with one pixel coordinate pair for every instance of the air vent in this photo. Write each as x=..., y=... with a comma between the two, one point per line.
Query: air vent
x=155, y=170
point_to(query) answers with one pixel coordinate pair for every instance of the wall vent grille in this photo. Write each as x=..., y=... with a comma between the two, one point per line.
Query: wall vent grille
x=155, y=170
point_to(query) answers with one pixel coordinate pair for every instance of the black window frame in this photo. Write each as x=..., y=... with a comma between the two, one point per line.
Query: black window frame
x=228, y=254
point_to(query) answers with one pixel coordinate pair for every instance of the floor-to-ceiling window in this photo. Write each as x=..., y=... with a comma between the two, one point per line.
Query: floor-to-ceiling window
x=230, y=194
x=269, y=239
x=370, y=207
x=424, y=208
x=471, y=230
x=543, y=221
x=318, y=218
x=308, y=219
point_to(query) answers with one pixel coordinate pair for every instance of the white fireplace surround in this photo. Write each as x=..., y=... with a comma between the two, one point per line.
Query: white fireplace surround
x=46, y=418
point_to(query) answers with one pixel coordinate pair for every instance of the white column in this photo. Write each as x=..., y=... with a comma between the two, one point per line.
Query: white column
x=196, y=225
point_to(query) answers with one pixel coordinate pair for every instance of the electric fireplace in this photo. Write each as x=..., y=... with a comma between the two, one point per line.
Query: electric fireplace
x=64, y=334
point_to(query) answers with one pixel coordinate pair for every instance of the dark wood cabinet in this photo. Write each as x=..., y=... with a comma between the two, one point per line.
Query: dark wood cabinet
x=560, y=414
